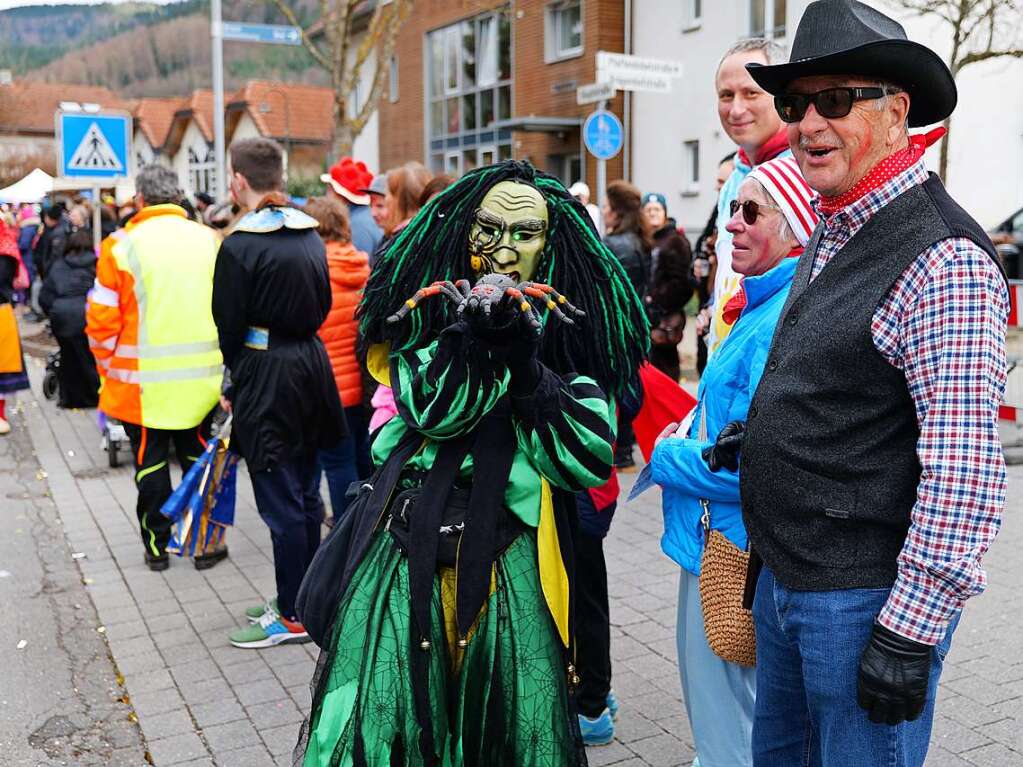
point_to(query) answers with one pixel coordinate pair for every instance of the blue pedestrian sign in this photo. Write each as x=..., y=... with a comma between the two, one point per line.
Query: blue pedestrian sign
x=603, y=134
x=94, y=145
x=244, y=32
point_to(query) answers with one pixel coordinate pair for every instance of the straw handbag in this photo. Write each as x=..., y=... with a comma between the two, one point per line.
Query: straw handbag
x=723, y=568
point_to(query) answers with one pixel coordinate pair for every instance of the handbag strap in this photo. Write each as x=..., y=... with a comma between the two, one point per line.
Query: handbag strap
x=701, y=434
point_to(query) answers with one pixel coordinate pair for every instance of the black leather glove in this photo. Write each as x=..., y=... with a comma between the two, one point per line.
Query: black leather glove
x=724, y=453
x=892, y=681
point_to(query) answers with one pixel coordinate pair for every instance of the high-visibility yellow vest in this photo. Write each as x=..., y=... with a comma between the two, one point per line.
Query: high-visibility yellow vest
x=150, y=322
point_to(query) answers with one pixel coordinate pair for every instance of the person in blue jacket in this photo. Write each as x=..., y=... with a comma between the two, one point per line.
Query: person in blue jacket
x=771, y=222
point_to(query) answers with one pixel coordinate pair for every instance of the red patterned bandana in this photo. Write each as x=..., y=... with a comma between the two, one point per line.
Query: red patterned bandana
x=774, y=146
x=883, y=172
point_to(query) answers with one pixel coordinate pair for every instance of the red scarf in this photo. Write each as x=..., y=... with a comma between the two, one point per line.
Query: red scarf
x=774, y=146
x=883, y=172
x=735, y=304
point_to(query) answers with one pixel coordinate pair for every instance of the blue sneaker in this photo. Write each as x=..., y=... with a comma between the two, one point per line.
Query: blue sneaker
x=598, y=731
x=612, y=704
x=270, y=630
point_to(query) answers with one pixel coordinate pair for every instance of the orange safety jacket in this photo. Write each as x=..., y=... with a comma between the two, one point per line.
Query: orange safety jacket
x=349, y=270
x=150, y=323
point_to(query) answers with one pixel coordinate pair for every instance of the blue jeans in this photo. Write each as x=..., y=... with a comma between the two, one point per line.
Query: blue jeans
x=347, y=461
x=809, y=645
x=288, y=500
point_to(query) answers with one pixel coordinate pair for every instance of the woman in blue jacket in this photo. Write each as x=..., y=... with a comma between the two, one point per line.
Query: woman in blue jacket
x=771, y=223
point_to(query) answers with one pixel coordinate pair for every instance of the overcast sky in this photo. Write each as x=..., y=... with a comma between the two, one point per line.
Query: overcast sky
x=4, y=4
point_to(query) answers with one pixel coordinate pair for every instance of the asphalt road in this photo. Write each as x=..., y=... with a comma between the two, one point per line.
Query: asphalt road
x=59, y=688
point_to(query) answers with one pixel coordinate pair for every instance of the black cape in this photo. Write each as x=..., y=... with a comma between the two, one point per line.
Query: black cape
x=284, y=398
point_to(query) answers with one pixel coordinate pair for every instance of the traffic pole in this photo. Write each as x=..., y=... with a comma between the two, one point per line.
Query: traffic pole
x=219, y=152
x=97, y=219
x=601, y=169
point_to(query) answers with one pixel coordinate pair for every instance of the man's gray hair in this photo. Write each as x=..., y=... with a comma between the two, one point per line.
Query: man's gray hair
x=157, y=185
x=773, y=52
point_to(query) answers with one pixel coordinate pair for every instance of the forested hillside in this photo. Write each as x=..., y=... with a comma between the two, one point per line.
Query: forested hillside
x=144, y=50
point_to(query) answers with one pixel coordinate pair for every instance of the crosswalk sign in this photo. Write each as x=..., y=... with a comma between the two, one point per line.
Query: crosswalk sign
x=93, y=145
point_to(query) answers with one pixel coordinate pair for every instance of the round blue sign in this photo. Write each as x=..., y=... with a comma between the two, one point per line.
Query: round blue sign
x=603, y=134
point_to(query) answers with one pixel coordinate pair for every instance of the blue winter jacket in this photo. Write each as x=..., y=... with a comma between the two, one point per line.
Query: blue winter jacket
x=725, y=392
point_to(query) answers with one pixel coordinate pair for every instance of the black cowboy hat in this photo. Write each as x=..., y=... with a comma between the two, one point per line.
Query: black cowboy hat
x=845, y=37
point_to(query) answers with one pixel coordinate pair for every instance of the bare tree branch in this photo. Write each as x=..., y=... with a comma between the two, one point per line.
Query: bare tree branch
x=313, y=48
x=385, y=51
x=973, y=58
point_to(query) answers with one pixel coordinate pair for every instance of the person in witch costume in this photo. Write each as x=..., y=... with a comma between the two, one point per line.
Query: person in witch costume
x=871, y=474
x=452, y=643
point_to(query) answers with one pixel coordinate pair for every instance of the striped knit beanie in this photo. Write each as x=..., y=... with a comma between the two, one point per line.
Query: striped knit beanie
x=784, y=183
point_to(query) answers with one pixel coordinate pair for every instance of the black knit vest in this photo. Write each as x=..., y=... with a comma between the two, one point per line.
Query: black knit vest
x=829, y=470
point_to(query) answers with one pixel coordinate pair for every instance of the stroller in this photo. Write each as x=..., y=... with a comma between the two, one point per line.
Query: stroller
x=51, y=383
x=113, y=436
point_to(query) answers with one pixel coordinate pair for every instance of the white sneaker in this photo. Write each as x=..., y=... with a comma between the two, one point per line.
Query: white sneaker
x=5, y=428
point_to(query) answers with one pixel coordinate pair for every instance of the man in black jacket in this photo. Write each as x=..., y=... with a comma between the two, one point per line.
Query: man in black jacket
x=271, y=293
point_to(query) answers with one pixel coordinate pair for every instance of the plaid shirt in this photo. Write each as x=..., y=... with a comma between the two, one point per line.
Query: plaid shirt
x=943, y=324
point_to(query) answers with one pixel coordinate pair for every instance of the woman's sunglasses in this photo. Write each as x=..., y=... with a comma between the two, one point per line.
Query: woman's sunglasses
x=750, y=210
x=831, y=103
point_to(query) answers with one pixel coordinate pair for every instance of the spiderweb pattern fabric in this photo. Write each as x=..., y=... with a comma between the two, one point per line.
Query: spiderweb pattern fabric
x=507, y=704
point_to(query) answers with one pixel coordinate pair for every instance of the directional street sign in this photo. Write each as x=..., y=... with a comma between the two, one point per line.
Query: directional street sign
x=279, y=34
x=594, y=92
x=611, y=65
x=641, y=82
x=603, y=134
x=93, y=146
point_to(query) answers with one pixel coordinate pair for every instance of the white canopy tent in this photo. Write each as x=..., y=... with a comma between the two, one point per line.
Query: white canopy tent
x=33, y=188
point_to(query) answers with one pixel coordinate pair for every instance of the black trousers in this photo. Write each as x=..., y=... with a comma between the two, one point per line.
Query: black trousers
x=77, y=376
x=151, y=452
x=592, y=625
x=288, y=500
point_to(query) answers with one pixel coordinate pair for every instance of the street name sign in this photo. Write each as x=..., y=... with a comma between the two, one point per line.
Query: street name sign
x=640, y=82
x=603, y=134
x=279, y=34
x=594, y=92
x=93, y=146
x=635, y=73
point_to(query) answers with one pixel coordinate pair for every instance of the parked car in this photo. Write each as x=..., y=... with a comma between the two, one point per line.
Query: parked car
x=1008, y=239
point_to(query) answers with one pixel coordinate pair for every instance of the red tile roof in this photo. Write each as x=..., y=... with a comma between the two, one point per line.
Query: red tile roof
x=29, y=106
x=154, y=118
x=287, y=110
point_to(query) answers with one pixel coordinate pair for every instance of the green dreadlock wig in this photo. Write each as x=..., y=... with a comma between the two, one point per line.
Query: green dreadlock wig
x=608, y=344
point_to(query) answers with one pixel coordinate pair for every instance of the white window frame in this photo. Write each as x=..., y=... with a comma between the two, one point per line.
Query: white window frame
x=769, y=30
x=691, y=169
x=692, y=15
x=552, y=28
x=392, y=84
x=202, y=173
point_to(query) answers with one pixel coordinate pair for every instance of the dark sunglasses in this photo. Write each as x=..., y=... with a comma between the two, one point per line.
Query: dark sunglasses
x=831, y=103
x=750, y=210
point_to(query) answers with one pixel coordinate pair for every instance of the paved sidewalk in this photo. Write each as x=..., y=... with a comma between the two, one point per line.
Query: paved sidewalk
x=201, y=702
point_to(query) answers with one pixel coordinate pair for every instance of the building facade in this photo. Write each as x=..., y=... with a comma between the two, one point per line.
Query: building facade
x=677, y=140
x=477, y=81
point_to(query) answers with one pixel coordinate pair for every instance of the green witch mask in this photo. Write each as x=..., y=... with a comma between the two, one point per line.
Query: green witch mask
x=509, y=231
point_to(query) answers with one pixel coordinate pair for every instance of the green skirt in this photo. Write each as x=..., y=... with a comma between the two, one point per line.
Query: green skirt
x=503, y=700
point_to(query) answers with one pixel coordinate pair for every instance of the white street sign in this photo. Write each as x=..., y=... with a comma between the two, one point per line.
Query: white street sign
x=611, y=65
x=641, y=82
x=594, y=92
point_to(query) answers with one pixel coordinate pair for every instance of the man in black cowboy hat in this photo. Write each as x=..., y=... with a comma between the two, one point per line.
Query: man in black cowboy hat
x=871, y=472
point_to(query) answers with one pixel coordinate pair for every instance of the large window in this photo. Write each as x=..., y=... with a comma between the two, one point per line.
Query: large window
x=767, y=18
x=564, y=29
x=202, y=169
x=469, y=91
